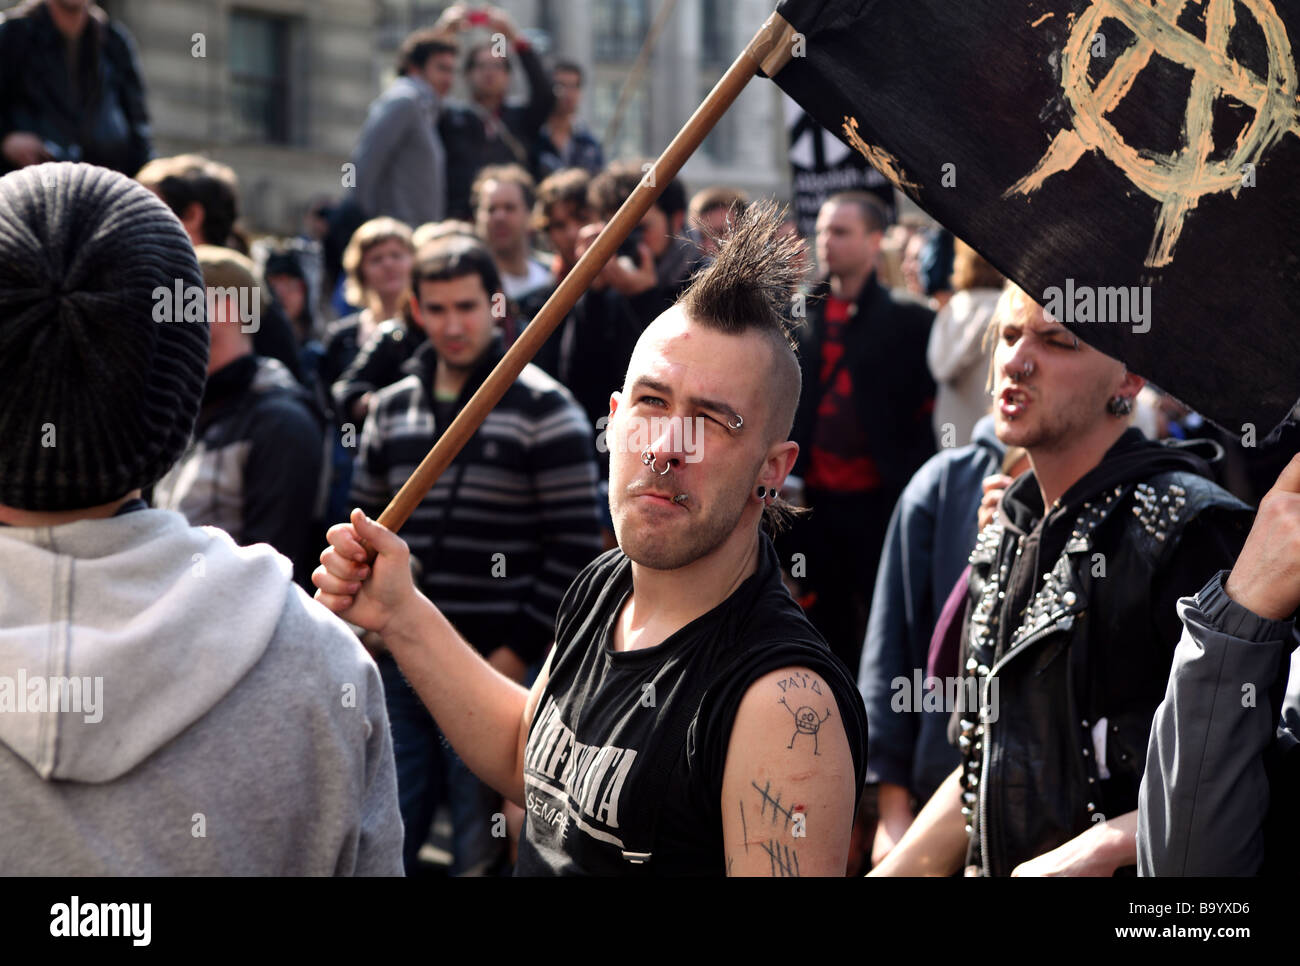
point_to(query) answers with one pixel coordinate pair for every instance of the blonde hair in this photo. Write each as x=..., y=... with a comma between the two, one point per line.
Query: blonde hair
x=1011, y=293
x=433, y=230
x=373, y=232
x=226, y=268
x=179, y=165
x=970, y=270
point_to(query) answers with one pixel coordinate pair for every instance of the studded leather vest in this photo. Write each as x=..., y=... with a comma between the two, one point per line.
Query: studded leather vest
x=1066, y=689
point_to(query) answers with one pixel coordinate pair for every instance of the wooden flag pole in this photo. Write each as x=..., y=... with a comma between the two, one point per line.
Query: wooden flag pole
x=770, y=50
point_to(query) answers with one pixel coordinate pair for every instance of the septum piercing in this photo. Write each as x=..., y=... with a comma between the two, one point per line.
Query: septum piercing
x=648, y=458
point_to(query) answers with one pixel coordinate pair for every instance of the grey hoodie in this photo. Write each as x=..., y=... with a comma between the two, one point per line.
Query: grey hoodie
x=221, y=721
x=1222, y=781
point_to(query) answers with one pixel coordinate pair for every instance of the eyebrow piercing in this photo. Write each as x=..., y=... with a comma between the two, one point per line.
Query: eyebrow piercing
x=736, y=421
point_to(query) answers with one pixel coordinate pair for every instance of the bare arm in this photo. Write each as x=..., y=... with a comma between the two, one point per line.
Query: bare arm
x=788, y=790
x=934, y=844
x=483, y=713
x=895, y=819
x=1099, y=851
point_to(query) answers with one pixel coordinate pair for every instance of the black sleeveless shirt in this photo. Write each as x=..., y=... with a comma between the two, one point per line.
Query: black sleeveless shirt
x=627, y=749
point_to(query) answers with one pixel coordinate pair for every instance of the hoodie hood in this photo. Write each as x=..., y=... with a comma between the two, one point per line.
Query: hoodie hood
x=135, y=613
x=1132, y=457
x=985, y=434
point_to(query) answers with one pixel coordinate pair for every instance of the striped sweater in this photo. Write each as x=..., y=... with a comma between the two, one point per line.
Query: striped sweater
x=514, y=518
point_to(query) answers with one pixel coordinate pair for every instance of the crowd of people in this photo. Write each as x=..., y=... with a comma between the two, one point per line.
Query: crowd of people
x=931, y=587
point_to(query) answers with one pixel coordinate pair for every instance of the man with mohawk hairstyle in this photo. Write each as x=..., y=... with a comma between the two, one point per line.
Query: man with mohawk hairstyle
x=688, y=720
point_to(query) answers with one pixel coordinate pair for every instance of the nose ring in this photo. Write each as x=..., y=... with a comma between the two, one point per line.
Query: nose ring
x=648, y=458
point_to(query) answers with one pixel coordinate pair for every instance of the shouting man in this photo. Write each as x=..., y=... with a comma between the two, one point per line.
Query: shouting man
x=688, y=720
x=1071, y=623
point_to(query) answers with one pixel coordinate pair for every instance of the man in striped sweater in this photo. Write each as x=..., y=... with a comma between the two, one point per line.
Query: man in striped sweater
x=498, y=539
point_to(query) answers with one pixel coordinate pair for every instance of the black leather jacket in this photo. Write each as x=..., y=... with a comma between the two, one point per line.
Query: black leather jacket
x=1069, y=639
x=101, y=119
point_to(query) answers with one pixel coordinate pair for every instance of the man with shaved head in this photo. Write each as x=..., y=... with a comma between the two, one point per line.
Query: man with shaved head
x=688, y=720
x=1070, y=621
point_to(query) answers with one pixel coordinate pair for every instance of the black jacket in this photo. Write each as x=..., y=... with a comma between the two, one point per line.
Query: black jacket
x=103, y=119
x=1070, y=632
x=472, y=146
x=885, y=343
x=589, y=353
x=377, y=364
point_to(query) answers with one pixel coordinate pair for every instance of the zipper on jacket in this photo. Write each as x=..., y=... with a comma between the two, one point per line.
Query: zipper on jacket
x=984, y=786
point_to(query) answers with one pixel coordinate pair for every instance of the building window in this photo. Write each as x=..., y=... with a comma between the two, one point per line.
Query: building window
x=548, y=18
x=633, y=130
x=716, y=22
x=620, y=28
x=259, y=77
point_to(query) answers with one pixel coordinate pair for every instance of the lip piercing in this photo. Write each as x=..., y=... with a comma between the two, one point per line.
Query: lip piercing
x=680, y=498
x=648, y=458
x=736, y=421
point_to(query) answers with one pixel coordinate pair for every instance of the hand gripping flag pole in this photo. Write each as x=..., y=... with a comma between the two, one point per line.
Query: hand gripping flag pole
x=769, y=51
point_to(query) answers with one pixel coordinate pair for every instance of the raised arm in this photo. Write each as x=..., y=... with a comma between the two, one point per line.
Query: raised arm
x=541, y=95
x=1206, y=792
x=483, y=713
x=788, y=789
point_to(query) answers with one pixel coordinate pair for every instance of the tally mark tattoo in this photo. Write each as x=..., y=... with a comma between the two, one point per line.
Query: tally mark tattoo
x=773, y=805
x=783, y=859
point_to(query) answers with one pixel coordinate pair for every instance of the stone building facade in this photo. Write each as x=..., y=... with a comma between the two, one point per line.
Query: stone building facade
x=278, y=89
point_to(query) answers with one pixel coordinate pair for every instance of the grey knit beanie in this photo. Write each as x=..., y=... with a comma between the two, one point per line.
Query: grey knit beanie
x=96, y=397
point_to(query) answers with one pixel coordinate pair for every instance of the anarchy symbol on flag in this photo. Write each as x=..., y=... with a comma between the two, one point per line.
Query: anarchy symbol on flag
x=1177, y=181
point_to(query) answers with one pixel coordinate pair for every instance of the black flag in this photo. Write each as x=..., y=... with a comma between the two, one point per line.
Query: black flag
x=1132, y=164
